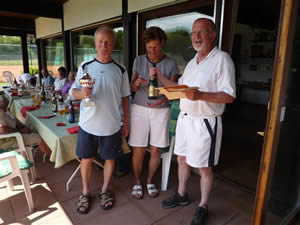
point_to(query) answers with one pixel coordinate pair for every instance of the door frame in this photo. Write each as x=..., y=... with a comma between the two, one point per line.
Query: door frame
x=286, y=30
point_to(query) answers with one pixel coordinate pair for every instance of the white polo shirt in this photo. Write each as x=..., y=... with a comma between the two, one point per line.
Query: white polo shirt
x=215, y=73
x=59, y=83
x=111, y=84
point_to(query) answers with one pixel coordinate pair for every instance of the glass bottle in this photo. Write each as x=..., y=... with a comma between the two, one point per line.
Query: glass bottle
x=71, y=113
x=53, y=103
x=153, y=84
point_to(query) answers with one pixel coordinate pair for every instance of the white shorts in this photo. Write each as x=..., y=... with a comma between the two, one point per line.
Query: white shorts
x=149, y=122
x=198, y=139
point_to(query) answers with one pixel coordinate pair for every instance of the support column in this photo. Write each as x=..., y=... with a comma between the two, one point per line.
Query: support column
x=25, y=53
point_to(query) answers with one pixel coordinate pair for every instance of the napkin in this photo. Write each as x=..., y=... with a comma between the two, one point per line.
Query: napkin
x=73, y=130
x=24, y=110
x=60, y=124
x=46, y=117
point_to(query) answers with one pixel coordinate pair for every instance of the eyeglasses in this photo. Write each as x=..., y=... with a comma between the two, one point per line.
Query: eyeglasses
x=199, y=32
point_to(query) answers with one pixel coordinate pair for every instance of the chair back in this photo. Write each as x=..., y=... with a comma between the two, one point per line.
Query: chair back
x=9, y=77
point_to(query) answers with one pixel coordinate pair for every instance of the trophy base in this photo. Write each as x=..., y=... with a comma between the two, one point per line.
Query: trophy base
x=88, y=103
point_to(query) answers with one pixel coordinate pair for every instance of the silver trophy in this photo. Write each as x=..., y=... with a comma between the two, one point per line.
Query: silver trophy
x=87, y=82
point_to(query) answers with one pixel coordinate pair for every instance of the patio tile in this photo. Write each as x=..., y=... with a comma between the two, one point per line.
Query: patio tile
x=43, y=199
x=240, y=220
x=127, y=214
x=6, y=213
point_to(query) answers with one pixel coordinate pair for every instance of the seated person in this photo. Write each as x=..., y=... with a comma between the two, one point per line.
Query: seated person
x=48, y=79
x=8, y=124
x=23, y=79
x=68, y=85
x=60, y=81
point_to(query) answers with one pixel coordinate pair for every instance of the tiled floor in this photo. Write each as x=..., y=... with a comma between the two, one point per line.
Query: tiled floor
x=229, y=205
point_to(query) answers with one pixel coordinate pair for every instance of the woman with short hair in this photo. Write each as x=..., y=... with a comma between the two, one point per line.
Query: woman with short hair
x=150, y=118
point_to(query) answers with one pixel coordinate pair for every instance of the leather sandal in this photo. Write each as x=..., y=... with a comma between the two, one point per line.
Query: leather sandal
x=83, y=204
x=105, y=198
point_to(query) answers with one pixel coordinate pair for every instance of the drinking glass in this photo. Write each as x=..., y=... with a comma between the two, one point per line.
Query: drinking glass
x=61, y=108
x=88, y=83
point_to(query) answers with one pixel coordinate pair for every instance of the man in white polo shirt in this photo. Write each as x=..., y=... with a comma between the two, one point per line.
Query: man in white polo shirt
x=100, y=125
x=199, y=125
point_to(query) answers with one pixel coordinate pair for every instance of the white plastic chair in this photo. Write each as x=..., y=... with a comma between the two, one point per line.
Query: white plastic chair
x=16, y=172
x=9, y=77
x=24, y=151
x=166, y=164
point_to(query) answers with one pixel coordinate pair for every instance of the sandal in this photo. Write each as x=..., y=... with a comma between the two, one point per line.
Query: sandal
x=105, y=198
x=152, y=190
x=137, y=191
x=83, y=204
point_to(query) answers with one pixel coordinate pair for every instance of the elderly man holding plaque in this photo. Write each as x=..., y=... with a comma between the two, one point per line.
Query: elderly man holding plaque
x=106, y=86
x=199, y=124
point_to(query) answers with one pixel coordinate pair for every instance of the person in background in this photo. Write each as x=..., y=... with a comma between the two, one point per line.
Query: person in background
x=9, y=124
x=23, y=79
x=60, y=81
x=48, y=79
x=68, y=85
x=149, y=118
x=199, y=124
x=100, y=125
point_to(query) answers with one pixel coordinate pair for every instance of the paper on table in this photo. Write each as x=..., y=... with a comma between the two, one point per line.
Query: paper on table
x=175, y=92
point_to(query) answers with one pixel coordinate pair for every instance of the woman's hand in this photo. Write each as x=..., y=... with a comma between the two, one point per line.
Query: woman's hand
x=138, y=83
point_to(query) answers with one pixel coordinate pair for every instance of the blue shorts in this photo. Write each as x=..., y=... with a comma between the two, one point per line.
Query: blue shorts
x=88, y=145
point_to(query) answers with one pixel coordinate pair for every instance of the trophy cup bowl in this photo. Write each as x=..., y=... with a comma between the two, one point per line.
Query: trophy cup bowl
x=88, y=83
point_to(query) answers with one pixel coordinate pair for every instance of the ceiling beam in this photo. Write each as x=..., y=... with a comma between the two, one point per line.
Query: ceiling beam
x=33, y=8
x=11, y=23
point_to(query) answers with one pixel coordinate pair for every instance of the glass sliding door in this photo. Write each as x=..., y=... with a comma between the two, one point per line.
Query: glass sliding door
x=284, y=200
x=177, y=22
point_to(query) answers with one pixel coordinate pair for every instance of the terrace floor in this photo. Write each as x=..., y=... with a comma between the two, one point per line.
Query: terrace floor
x=229, y=204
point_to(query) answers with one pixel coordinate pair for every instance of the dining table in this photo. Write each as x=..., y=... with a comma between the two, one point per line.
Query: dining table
x=48, y=125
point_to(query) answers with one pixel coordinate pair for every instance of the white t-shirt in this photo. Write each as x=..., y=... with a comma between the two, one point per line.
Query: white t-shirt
x=111, y=84
x=215, y=73
x=59, y=83
x=24, y=78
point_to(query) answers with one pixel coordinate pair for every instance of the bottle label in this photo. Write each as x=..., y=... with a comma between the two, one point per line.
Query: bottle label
x=152, y=92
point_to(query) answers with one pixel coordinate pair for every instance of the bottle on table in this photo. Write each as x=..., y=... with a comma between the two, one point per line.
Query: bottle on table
x=71, y=113
x=53, y=103
x=43, y=94
x=153, y=84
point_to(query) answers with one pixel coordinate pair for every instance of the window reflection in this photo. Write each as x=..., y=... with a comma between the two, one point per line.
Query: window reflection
x=178, y=29
x=54, y=54
x=84, y=48
x=10, y=56
x=32, y=55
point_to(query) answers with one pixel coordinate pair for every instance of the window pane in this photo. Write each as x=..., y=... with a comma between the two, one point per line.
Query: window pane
x=178, y=28
x=84, y=48
x=32, y=55
x=10, y=56
x=54, y=54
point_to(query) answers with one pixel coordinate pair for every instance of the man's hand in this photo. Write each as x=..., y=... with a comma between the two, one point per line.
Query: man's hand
x=125, y=128
x=86, y=92
x=193, y=94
